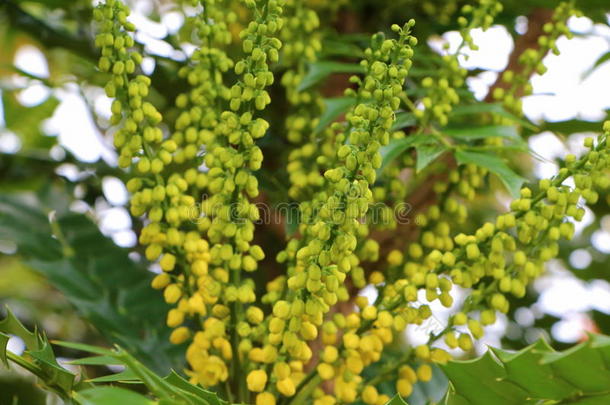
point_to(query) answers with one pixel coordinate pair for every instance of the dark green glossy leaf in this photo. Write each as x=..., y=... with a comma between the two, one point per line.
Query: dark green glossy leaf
x=124, y=376
x=98, y=278
x=396, y=147
x=534, y=375
x=403, y=120
x=426, y=154
x=334, y=107
x=466, y=379
x=467, y=134
x=337, y=47
x=320, y=70
x=495, y=165
x=571, y=126
x=491, y=108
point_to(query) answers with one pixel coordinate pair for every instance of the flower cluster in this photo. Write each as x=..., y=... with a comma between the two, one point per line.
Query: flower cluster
x=194, y=179
x=320, y=261
x=232, y=157
x=518, y=84
x=441, y=94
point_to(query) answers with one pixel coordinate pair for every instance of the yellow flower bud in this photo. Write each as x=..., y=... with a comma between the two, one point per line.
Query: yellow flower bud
x=161, y=281
x=326, y=371
x=167, y=262
x=172, y=293
x=370, y=395
x=174, y=318
x=179, y=335
x=424, y=373
x=265, y=398
x=404, y=388
x=286, y=387
x=256, y=380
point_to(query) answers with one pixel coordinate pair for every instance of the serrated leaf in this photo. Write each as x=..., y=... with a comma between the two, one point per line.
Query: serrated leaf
x=495, y=165
x=39, y=355
x=396, y=147
x=210, y=398
x=465, y=378
x=534, y=375
x=426, y=154
x=54, y=374
x=524, y=368
x=396, y=400
x=12, y=325
x=319, y=70
x=107, y=288
x=111, y=396
x=334, y=107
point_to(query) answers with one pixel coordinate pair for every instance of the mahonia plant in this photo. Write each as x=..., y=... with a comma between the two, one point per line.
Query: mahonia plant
x=306, y=335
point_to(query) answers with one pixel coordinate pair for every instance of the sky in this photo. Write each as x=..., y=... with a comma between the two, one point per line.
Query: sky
x=578, y=96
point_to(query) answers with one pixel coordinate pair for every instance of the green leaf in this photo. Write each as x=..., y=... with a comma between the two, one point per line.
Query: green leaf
x=334, y=107
x=25, y=121
x=96, y=361
x=124, y=376
x=403, y=120
x=210, y=398
x=44, y=364
x=571, y=126
x=4, y=338
x=491, y=108
x=396, y=400
x=426, y=154
x=534, y=375
x=84, y=347
x=473, y=133
x=396, y=147
x=293, y=215
x=111, y=396
x=12, y=325
x=465, y=379
x=107, y=288
x=494, y=164
x=320, y=70
x=337, y=47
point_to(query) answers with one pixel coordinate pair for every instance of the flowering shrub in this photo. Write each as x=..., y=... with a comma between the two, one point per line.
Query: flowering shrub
x=263, y=324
